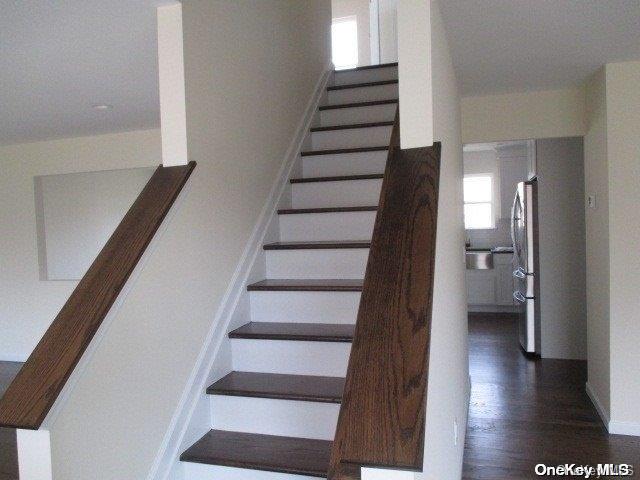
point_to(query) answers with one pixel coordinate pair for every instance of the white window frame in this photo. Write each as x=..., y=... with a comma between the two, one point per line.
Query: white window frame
x=491, y=202
x=349, y=18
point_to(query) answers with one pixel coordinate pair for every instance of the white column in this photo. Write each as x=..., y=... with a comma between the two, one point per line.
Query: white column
x=388, y=30
x=173, y=116
x=414, y=73
x=34, y=455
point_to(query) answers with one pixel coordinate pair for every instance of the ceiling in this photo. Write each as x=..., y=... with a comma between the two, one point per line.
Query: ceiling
x=59, y=58
x=518, y=45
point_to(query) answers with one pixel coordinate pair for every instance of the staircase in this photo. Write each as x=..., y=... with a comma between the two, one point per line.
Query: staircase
x=275, y=415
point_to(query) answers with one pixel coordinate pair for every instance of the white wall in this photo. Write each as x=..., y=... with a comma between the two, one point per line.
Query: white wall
x=623, y=153
x=248, y=81
x=27, y=304
x=518, y=116
x=612, y=172
x=359, y=8
x=447, y=397
x=597, y=241
x=77, y=214
x=561, y=221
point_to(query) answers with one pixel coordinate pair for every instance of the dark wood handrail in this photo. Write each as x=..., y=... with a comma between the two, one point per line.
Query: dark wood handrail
x=38, y=384
x=382, y=417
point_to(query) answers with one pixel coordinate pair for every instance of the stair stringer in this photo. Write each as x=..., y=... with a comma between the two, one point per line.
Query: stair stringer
x=192, y=417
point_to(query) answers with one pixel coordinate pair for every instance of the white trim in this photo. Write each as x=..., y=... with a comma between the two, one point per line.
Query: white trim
x=196, y=384
x=34, y=454
x=604, y=416
x=624, y=428
x=613, y=427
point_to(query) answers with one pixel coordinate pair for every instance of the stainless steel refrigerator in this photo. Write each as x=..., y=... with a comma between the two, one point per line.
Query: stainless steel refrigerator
x=524, y=234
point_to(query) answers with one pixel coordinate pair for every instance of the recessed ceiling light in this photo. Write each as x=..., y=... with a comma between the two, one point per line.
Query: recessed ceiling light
x=102, y=106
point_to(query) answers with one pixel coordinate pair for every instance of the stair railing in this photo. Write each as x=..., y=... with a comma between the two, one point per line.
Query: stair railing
x=382, y=417
x=37, y=386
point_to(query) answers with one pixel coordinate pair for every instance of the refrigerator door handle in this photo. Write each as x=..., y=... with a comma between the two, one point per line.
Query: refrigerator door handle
x=519, y=297
x=513, y=222
x=520, y=273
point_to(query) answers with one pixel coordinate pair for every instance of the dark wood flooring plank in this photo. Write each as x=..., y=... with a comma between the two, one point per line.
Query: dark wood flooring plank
x=307, y=285
x=261, y=452
x=362, y=85
x=308, y=332
x=368, y=67
x=316, y=245
x=524, y=412
x=342, y=178
x=351, y=126
x=285, y=387
x=340, y=151
x=299, y=211
x=372, y=103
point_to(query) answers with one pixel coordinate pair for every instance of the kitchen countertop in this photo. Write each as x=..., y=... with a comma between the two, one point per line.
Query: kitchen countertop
x=508, y=250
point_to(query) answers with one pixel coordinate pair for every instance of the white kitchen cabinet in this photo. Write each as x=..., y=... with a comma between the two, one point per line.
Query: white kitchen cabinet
x=502, y=264
x=492, y=290
x=481, y=287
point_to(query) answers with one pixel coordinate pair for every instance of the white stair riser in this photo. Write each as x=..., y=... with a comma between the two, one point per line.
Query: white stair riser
x=349, y=116
x=327, y=226
x=351, y=138
x=305, y=307
x=196, y=471
x=275, y=417
x=363, y=94
x=319, y=263
x=344, y=164
x=291, y=357
x=363, y=76
x=346, y=193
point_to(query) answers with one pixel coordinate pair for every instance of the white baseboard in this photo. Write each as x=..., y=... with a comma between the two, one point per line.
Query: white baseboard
x=604, y=416
x=174, y=437
x=613, y=427
x=624, y=428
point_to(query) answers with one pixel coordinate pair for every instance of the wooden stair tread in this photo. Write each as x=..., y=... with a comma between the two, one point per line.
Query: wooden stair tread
x=352, y=126
x=317, y=245
x=293, y=211
x=368, y=67
x=305, y=332
x=362, y=84
x=339, y=151
x=307, y=285
x=279, y=386
x=300, y=456
x=341, y=178
x=371, y=103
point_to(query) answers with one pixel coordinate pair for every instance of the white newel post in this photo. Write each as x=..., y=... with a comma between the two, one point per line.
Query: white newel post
x=173, y=116
x=414, y=73
x=34, y=455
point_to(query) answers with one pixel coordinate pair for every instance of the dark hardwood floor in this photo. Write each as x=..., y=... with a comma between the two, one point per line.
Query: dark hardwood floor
x=8, y=453
x=524, y=412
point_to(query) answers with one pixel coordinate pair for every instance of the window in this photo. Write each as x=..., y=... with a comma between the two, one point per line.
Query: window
x=478, y=201
x=344, y=42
